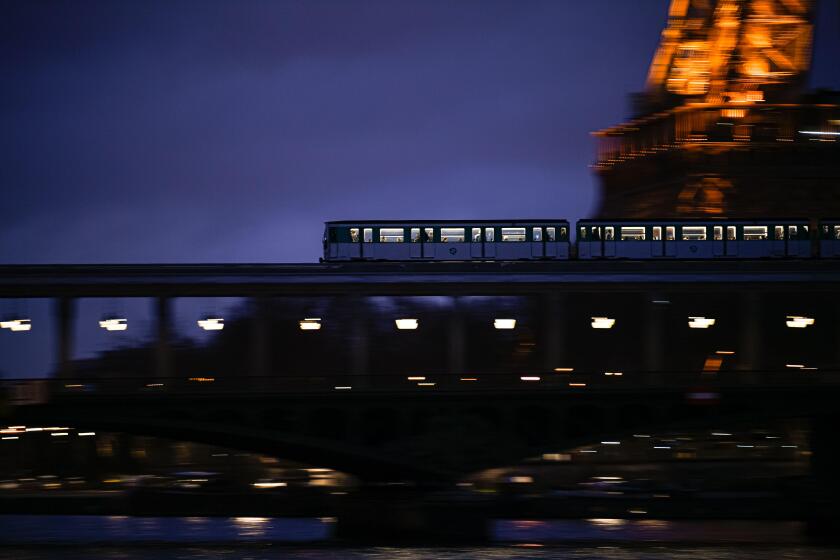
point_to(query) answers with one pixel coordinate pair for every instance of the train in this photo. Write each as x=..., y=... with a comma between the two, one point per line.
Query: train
x=537, y=240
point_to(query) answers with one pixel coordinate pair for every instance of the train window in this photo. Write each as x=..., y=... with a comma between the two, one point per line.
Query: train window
x=657, y=233
x=489, y=234
x=354, y=234
x=792, y=232
x=452, y=235
x=550, y=234
x=670, y=233
x=429, y=235
x=730, y=233
x=476, y=235
x=609, y=233
x=537, y=231
x=755, y=233
x=718, y=233
x=513, y=234
x=694, y=233
x=391, y=235
x=779, y=233
x=632, y=233
x=563, y=234
x=836, y=232
x=415, y=235
x=368, y=235
x=583, y=234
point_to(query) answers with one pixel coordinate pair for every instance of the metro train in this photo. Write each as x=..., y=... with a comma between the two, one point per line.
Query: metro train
x=487, y=240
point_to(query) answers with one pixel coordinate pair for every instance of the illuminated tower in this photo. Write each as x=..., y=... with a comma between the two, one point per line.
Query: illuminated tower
x=725, y=126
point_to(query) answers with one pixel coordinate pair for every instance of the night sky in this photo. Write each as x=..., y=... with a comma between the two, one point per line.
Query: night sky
x=202, y=131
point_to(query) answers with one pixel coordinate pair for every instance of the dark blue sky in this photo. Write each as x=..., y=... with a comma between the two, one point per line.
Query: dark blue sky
x=229, y=131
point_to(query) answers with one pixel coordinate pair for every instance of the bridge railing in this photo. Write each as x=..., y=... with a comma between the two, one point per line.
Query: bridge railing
x=696, y=386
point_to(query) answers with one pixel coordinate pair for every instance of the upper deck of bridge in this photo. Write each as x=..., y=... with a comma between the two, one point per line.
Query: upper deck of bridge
x=411, y=277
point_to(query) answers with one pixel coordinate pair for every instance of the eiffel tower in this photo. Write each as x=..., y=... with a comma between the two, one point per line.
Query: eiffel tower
x=726, y=126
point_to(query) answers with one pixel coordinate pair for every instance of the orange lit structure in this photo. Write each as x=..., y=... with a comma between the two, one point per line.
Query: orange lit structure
x=725, y=126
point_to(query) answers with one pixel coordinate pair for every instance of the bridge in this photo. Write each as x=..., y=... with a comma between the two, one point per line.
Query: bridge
x=384, y=403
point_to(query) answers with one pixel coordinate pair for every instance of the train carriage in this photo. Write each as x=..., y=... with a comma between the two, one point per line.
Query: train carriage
x=446, y=240
x=829, y=235
x=692, y=239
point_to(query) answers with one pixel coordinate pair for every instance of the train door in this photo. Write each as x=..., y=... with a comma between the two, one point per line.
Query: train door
x=551, y=242
x=670, y=241
x=609, y=241
x=718, y=244
x=731, y=241
x=537, y=243
x=596, y=245
x=416, y=249
x=779, y=247
x=427, y=237
x=475, y=243
x=657, y=248
x=368, y=248
x=489, y=243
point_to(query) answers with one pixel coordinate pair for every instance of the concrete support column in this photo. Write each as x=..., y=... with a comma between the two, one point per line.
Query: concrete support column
x=163, y=352
x=554, y=325
x=260, y=359
x=654, y=332
x=750, y=336
x=457, y=344
x=64, y=319
x=359, y=341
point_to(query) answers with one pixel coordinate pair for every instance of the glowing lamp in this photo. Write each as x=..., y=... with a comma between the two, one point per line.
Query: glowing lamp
x=406, y=324
x=504, y=323
x=17, y=325
x=310, y=324
x=212, y=323
x=700, y=322
x=602, y=323
x=114, y=324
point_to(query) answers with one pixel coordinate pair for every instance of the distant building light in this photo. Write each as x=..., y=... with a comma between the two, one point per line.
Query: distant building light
x=725, y=352
x=58, y=434
x=504, y=323
x=416, y=378
x=523, y=479
x=700, y=322
x=151, y=385
x=745, y=446
x=211, y=323
x=529, y=378
x=269, y=484
x=203, y=379
x=819, y=133
x=11, y=437
x=114, y=324
x=722, y=434
x=809, y=368
x=564, y=369
x=661, y=301
x=798, y=322
x=610, y=443
x=469, y=379
x=17, y=325
x=577, y=384
x=602, y=323
x=588, y=451
x=426, y=384
x=794, y=365
x=641, y=435
x=556, y=457
x=615, y=373
x=86, y=434
x=343, y=387
x=406, y=324
x=662, y=447
x=310, y=324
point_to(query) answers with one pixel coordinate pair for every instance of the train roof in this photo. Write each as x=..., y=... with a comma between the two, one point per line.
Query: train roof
x=445, y=222
x=671, y=221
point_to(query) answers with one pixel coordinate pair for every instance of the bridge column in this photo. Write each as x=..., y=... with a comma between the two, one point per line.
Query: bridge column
x=654, y=332
x=359, y=335
x=163, y=354
x=750, y=336
x=554, y=322
x=260, y=361
x=64, y=313
x=457, y=344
